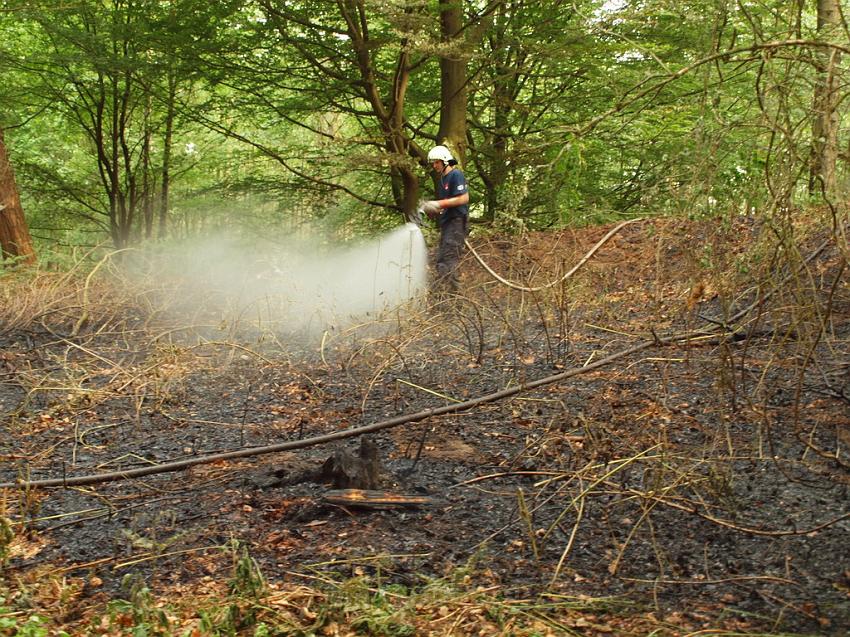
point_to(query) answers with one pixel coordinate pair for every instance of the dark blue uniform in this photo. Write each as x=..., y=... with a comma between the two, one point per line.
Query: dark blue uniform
x=453, y=228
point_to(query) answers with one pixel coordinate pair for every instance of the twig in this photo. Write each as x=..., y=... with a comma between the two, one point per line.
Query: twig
x=87, y=565
x=700, y=582
x=84, y=313
x=147, y=557
x=569, y=547
x=427, y=391
x=367, y=558
x=505, y=474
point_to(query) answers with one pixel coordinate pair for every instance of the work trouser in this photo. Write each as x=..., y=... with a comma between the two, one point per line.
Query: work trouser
x=452, y=236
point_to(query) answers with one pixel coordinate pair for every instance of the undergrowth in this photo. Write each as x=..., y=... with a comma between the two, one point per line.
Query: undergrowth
x=458, y=604
x=466, y=601
x=98, y=323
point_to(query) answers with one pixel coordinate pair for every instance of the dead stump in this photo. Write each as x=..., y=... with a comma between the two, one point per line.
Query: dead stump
x=346, y=471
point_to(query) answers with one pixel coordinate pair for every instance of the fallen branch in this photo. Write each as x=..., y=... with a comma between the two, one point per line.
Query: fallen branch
x=182, y=465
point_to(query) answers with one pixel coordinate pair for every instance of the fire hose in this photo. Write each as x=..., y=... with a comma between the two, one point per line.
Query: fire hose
x=562, y=278
x=522, y=288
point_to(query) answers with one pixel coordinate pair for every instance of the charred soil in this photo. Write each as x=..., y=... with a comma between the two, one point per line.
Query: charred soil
x=701, y=481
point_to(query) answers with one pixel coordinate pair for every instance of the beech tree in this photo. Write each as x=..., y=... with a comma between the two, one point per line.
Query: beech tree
x=559, y=111
x=826, y=100
x=529, y=63
x=87, y=64
x=453, y=53
x=396, y=73
x=112, y=72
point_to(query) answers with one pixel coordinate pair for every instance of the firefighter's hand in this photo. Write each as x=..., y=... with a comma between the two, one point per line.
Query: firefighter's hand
x=432, y=209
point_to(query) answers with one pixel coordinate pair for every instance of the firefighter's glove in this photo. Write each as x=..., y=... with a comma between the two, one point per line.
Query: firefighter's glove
x=432, y=209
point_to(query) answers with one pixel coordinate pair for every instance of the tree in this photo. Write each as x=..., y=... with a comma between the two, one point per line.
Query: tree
x=826, y=100
x=351, y=58
x=376, y=66
x=529, y=59
x=109, y=73
x=563, y=111
x=453, y=53
x=15, y=239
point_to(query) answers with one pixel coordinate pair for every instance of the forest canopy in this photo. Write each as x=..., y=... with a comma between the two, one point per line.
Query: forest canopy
x=131, y=120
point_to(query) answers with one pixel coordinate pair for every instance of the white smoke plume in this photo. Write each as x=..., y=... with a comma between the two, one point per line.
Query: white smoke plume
x=292, y=287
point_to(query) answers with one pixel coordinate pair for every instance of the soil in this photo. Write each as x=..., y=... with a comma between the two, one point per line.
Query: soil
x=703, y=481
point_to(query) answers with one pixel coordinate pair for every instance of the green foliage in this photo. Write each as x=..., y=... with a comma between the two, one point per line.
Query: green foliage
x=368, y=612
x=260, y=115
x=240, y=610
x=34, y=626
x=247, y=579
x=23, y=625
x=137, y=615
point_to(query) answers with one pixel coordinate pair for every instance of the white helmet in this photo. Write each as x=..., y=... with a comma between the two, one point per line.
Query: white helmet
x=440, y=153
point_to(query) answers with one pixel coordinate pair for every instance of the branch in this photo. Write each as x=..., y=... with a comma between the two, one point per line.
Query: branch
x=268, y=152
x=627, y=100
x=182, y=465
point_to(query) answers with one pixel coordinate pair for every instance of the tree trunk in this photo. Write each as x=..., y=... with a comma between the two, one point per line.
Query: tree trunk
x=147, y=174
x=15, y=239
x=504, y=91
x=825, y=124
x=166, y=155
x=410, y=193
x=453, y=80
x=389, y=112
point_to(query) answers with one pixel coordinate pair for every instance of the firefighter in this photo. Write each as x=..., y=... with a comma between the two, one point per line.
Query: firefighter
x=451, y=211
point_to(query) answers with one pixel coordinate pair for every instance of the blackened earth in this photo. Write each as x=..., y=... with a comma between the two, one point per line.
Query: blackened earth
x=704, y=479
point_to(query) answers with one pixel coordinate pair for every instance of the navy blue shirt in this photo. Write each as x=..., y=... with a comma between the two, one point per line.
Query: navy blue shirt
x=452, y=184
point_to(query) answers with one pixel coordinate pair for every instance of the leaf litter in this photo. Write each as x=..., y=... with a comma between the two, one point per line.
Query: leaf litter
x=693, y=486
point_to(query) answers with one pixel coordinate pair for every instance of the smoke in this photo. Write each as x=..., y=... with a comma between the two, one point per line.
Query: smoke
x=292, y=287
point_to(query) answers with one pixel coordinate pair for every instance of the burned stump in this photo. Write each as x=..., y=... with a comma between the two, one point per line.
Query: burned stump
x=344, y=470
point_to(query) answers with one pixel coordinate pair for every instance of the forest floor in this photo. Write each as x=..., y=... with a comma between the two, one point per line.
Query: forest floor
x=698, y=483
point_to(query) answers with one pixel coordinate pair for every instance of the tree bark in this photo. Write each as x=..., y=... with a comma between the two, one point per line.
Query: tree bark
x=148, y=180
x=825, y=123
x=15, y=239
x=388, y=112
x=504, y=91
x=166, y=154
x=453, y=94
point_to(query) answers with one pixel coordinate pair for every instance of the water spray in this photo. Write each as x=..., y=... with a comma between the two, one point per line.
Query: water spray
x=291, y=287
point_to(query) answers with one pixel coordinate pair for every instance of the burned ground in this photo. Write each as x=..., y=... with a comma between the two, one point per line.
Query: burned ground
x=701, y=481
